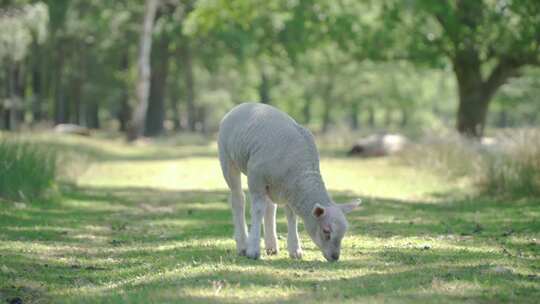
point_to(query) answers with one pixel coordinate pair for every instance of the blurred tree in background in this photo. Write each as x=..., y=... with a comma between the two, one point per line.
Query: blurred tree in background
x=410, y=65
x=486, y=42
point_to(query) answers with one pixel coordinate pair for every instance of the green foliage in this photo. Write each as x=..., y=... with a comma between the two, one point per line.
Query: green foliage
x=346, y=56
x=27, y=171
x=496, y=30
x=20, y=27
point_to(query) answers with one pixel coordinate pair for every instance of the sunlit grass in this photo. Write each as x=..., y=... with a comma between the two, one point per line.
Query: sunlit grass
x=151, y=224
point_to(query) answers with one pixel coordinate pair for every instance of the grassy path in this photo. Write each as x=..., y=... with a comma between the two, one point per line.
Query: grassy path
x=151, y=224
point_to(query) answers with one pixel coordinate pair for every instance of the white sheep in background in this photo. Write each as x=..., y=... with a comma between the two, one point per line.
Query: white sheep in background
x=379, y=145
x=281, y=162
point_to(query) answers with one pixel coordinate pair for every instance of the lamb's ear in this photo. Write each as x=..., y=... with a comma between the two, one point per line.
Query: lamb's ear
x=318, y=211
x=346, y=208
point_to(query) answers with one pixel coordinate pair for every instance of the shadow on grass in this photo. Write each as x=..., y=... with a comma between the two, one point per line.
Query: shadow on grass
x=435, y=284
x=179, y=243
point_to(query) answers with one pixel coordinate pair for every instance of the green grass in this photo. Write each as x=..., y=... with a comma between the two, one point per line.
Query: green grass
x=27, y=170
x=151, y=224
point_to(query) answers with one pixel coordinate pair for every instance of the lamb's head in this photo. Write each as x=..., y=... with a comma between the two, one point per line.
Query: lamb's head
x=329, y=227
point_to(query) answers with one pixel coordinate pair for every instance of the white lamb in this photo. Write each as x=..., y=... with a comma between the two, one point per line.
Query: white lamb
x=281, y=162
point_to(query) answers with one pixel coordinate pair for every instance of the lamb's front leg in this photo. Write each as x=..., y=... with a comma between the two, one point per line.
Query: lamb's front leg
x=259, y=203
x=293, y=241
x=237, y=202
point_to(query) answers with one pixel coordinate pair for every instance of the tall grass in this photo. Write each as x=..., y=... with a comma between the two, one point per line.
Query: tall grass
x=510, y=165
x=514, y=168
x=27, y=170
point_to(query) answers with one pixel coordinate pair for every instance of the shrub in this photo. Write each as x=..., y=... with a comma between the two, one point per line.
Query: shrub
x=510, y=165
x=27, y=171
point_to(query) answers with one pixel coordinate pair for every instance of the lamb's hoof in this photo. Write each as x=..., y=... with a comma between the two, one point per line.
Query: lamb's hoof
x=297, y=255
x=253, y=254
x=272, y=251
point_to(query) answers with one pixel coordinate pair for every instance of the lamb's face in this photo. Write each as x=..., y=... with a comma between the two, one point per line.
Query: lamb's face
x=331, y=228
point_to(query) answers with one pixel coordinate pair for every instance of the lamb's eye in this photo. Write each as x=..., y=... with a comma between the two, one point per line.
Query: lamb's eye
x=326, y=236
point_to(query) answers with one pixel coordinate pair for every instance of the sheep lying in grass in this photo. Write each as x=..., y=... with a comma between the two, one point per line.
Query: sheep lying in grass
x=379, y=145
x=281, y=162
x=72, y=129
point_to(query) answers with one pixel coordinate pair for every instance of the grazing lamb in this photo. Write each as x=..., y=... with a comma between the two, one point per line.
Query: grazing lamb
x=281, y=162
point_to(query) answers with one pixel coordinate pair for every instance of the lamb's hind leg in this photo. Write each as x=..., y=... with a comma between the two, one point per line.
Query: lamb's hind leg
x=258, y=209
x=237, y=201
x=270, y=235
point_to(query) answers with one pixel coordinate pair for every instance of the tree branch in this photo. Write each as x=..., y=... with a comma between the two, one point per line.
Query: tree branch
x=505, y=69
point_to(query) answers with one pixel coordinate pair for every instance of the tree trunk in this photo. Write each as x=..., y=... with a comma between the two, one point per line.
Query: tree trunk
x=8, y=103
x=202, y=119
x=503, y=119
x=4, y=106
x=143, y=78
x=177, y=125
x=19, y=94
x=37, y=89
x=124, y=112
x=76, y=97
x=474, y=100
x=472, y=112
x=14, y=94
x=61, y=114
x=306, y=109
x=264, y=87
x=371, y=117
x=3, y=96
x=354, y=116
x=76, y=87
x=61, y=108
x=327, y=107
x=174, y=105
x=189, y=84
x=387, y=117
x=404, y=117
x=92, y=115
x=158, y=84
x=474, y=92
x=326, y=116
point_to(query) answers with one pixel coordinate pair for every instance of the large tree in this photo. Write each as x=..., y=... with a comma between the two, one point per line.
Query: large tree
x=486, y=41
x=143, y=75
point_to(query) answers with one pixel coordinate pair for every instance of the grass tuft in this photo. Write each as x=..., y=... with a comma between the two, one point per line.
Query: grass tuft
x=27, y=171
x=515, y=168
